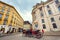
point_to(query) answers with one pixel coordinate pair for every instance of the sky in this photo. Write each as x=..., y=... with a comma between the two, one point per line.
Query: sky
x=24, y=7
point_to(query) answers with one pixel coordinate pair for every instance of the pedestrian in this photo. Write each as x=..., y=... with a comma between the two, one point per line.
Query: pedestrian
x=42, y=31
x=1, y=32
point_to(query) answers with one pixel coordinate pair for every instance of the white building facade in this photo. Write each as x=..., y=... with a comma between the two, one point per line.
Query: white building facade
x=46, y=15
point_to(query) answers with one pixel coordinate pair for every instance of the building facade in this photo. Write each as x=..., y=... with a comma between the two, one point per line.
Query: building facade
x=27, y=25
x=9, y=17
x=46, y=15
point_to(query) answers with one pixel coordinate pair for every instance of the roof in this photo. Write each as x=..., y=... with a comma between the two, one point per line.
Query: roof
x=42, y=3
x=26, y=22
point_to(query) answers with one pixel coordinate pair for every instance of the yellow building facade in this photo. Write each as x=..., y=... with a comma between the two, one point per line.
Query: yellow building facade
x=46, y=15
x=9, y=17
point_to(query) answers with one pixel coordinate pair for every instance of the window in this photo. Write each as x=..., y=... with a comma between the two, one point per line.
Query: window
x=43, y=21
x=48, y=6
x=54, y=25
x=57, y=1
x=4, y=22
x=52, y=20
x=14, y=22
x=36, y=25
x=10, y=24
x=34, y=16
x=0, y=15
x=40, y=8
x=3, y=8
x=11, y=21
x=8, y=10
x=12, y=17
x=59, y=18
x=6, y=17
x=49, y=11
x=59, y=8
x=0, y=8
x=44, y=26
x=41, y=14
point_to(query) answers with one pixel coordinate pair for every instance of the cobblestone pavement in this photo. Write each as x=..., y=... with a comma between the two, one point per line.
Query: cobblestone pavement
x=19, y=37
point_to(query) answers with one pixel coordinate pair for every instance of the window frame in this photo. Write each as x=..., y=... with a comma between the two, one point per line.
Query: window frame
x=5, y=22
x=56, y=1
x=52, y=19
x=0, y=15
x=50, y=12
x=43, y=21
x=3, y=8
x=36, y=25
x=41, y=14
x=48, y=6
x=54, y=25
x=44, y=26
x=40, y=8
x=8, y=10
x=59, y=18
x=59, y=8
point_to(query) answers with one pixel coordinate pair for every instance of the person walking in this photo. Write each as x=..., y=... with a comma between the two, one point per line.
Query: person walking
x=42, y=31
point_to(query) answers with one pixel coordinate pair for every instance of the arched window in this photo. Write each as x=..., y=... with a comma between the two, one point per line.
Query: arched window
x=48, y=6
x=59, y=8
x=43, y=21
x=0, y=15
x=54, y=25
x=44, y=26
x=41, y=14
x=56, y=1
x=59, y=18
x=2, y=8
x=52, y=20
x=40, y=8
x=49, y=11
x=36, y=25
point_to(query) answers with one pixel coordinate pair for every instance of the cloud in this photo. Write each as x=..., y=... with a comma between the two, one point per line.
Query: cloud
x=24, y=7
x=27, y=16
